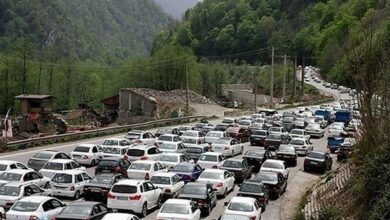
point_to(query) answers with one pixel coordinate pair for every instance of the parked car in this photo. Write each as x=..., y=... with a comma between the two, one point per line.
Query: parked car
x=256, y=158
x=140, y=137
x=169, y=160
x=180, y=209
x=230, y=121
x=238, y=167
x=277, y=130
x=39, y=159
x=238, y=133
x=211, y=160
x=222, y=127
x=143, y=152
x=116, y=142
x=6, y=165
x=201, y=194
x=254, y=127
x=24, y=176
x=214, y=135
x=162, y=131
x=222, y=180
x=275, y=182
x=258, y=137
x=192, y=134
x=301, y=145
x=113, y=165
x=58, y=165
x=315, y=130
x=336, y=129
x=298, y=133
x=135, y=196
x=244, y=206
x=190, y=142
x=98, y=187
x=194, y=152
x=299, y=123
x=172, y=147
x=206, y=129
x=87, y=154
x=273, y=141
x=287, y=153
x=318, y=160
x=170, y=183
x=115, y=151
x=69, y=183
x=40, y=207
x=256, y=190
x=83, y=210
x=228, y=146
x=144, y=169
x=186, y=128
x=168, y=138
x=245, y=123
x=268, y=112
x=277, y=166
x=188, y=172
x=120, y=216
x=319, y=119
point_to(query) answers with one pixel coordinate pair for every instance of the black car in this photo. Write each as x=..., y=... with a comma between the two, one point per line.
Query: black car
x=258, y=137
x=254, y=189
x=273, y=141
x=275, y=182
x=162, y=131
x=202, y=194
x=254, y=127
x=98, y=187
x=288, y=154
x=239, y=167
x=194, y=152
x=256, y=158
x=222, y=127
x=113, y=165
x=83, y=210
x=318, y=160
x=288, y=123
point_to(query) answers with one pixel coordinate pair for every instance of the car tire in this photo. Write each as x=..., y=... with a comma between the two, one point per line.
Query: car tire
x=242, y=150
x=159, y=202
x=77, y=195
x=93, y=163
x=208, y=210
x=144, y=210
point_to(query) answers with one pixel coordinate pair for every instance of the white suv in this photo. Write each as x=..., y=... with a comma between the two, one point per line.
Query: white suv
x=69, y=183
x=144, y=169
x=87, y=154
x=140, y=137
x=143, y=152
x=211, y=160
x=134, y=195
x=55, y=166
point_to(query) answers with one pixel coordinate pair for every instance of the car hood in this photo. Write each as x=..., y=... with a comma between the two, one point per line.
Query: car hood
x=269, y=182
x=285, y=153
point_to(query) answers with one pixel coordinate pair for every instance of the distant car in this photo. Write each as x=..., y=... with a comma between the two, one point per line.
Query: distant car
x=58, y=165
x=98, y=187
x=211, y=160
x=143, y=152
x=35, y=206
x=221, y=127
x=69, y=183
x=254, y=127
x=169, y=160
x=239, y=167
x=244, y=206
x=140, y=137
x=39, y=159
x=213, y=135
x=238, y=133
x=115, y=151
x=162, y=131
x=315, y=130
x=120, y=216
x=275, y=182
x=268, y=112
x=24, y=176
x=168, y=138
x=206, y=129
x=170, y=183
x=116, y=142
x=230, y=121
x=83, y=210
x=190, y=142
x=172, y=147
x=318, y=160
x=87, y=154
x=299, y=133
x=301, y=145
x=192, y=134
x=113, y=165
x=287, y=153
x=188, y=172
x=186, y=128
x=256, y=158
x=135, y=196
x=202, y=194
x=222, y=180
x=180, y=209
x=258, y=137
x=299, y=123
x=277, y=130
x=6, y=165
x=333, y=86
x=194, y=152
x=228, y=146
x=255, y=189
x=273, y=141
x=245, y=123
x=336, y=129
x=144, y=169
x=319, y=119
x=277, y=166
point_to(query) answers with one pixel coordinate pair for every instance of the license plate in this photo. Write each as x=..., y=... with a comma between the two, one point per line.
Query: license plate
x=95, y=190
x=312, y=162
x=122, y=198
x=257, y=139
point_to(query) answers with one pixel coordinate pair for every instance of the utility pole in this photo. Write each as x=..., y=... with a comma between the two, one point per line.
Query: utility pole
x=187, y=90
x=302, y=77
x=272, y=78
x=284, y=77
x=255, y=90
x=294, y=75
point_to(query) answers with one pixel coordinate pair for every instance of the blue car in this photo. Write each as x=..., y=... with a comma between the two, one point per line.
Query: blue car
x=188, y=172
x=334, y=143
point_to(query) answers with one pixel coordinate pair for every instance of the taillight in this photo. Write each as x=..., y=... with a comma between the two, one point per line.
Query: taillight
x=227, y=148
x=214, y=167
x=33, y=217
x=86, y=188
x=125, y=157
x=253, y=217
x=110, y=196
x=147, y=176
x=72, y=188
x=219, y=185
x=117, y=169
x=144, y=158
x=136, y=197
x=167, y=191
x=85, y=157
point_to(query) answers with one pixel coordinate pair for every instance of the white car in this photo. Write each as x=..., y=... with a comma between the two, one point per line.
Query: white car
x=35, y=207
x=140, y=137
x=244, y=123
x=301, y=145
x=335, y=129
x=134, y=195
x=315, y=130
x=214, y=135
x=143, y=152
x=178, y=209
x=172, y=147
x=144, y=169
x=115, y=151
x=227, y=146
x=190, y=142
x=24, y=176
x=6, y=165
x=277, y=166
x=299, y=133
x=170, y=183
x=211, y=160
x=192, y=134
x=58, y=165
x=299, y=123
x=246, y=206
x=69, y=183
x=120, y=216
x=87, y=154
x=277, y=130
x=254, y=116
x=168, y=138
x=116, y=142
x=222, y=180
x=169, y=160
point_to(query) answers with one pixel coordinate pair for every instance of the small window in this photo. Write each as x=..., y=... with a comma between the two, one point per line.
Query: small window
x=150, y=186
x=13, y=166
x=21, y=166
x=103, y=208
x=86, y=176
x=47, y=206
x=56, y=203
x=27, y=177
x=94, y=150
x=35, y=189
x=160, y=167
x=155, y=167
x=145, y=136
x=75, y=165
x=152, y=151
x=96, y=210
x=35, y=176
x=79, y=178
x=68, y=166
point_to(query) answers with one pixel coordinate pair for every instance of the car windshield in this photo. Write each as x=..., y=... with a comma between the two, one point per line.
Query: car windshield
x=112, y=150
x=53, y=166
x=136, y=152
x=22, y=206
x=109, y=163
x=296, y=132
x=101, y=179
x=244, y=122
x=313, y=126
x=164, y=131
x=3, y=167
x=183, y=168
x=232, y=164
x=43, y=156
x=274, y=137
x=211, y=175
x=275, y=129
x=111, y=143
x=196, y=150
x=168, y=146
x=214, y=134
x=165, y=138
x=124, y=189
x=9, y=191
x=241, y=207
x=286, y=148
x=272, y=164
x=316, y=155
x=210, y=158
x=222, y=141
x=228, y=121
x=169, y=158
x=62, y=178
x=77, y=209
x=164, y=180
x=81, y=149
x=175, y=208
x=140, y=166
x=132, y=136
x=189, y=141
x=297, y=142
x=196, y=190
x=251, y=153
x=190, y=134
x=253, y=188
x=261, y=133
x=270, y=177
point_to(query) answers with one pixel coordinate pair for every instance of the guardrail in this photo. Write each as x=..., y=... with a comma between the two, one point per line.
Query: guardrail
x=32, y=142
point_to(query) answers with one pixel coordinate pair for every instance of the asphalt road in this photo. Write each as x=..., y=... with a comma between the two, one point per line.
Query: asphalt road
x=281, y=208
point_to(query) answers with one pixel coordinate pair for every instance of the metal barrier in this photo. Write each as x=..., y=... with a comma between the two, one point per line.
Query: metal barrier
x=31, y=142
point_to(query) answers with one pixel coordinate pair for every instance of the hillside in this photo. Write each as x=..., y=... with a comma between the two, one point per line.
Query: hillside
x=85, y=29
x=176, y=8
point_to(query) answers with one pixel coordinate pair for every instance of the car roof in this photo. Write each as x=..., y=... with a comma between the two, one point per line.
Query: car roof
x=130, y=182
x=145, y=161
x=318, y=152
x=298, y=138
x=86, y=145
x=7, y=162
x=170, y=135
x=242, y=199
x=178, y=201
x=253, y=182
x=172, y=154
x=274, y=161
x=214, y=170
x=164, y=174
x=186, y=164
x=18, y=171
x=83, y=203
x=196, y=184
x=108, y=174
x=62, y=160
x=111, y=158
x=212, y=153
x=235, y=159
x=142, y=147
x=71, y=172
x=35, y=199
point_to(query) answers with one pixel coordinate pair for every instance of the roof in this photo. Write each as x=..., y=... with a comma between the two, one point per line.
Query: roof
x=145, y=161
x=18, y=171
x=71, y=172
x=118, y=216
x=130, y=182
x=172, y=154
x=62, y=160
x=26, y=96
x=178, y=201
x=212, y=153
x=86, y=145
x=235, y=159
x=274, y=161
x=186, y=164
x=164, y=174
x=143, y=147
x=108, y=174
x=7, y=162
x=171, y=135
x=242, y=199
x=213, y=170
x=83, y=203
x=36, y=199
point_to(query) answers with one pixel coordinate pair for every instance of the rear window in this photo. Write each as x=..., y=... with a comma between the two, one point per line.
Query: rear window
x=241, y=207
x=3, y=167
x=165, y=138
x=175, y=209
x=214, y=134
x=109, y=163
x=297, y=142
x=75, y=210
x=169, y=158
x=135, y=152
x=53, y=166
x=132, y=136
x=195, y=190
x=164, y=180
x=81, y=149
x=10, y=176
x=124, y=189
x=262, y=133
x=244, y=123
x=316, y=155
x=232, y=164
x=271, y=164
x=254, y=188
x=211, y=175
x=194, y=150
x=62, y=178
x=139, y=166
x=43, y=156
x=211, y=158
x=168, y=146
x=111, y=143
x=227, y=121
x=190, y=134
x=296, y=132
x=259, y=154
x=9, y=191
x=28, y=206
x=112, y=150
x=274, y=137
x=101, y=179
x=222, y=141
x=183, y=168
x=190, y=141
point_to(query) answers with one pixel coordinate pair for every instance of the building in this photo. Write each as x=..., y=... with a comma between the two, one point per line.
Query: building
x=136, y=103
x=32, y=104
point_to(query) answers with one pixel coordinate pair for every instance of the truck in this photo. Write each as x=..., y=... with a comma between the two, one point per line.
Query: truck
x=334, y=143
x=325, y=113
x=343, y=116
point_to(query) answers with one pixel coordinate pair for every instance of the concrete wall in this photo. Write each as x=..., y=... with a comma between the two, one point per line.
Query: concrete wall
x=133, y=105
x=248, y=98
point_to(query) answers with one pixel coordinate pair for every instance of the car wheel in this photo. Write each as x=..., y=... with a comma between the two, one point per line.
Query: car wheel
x=93, y=163
x=208, y=210
x=159, y=202
x=144, y=211
x=77, y=195
x=242, y=150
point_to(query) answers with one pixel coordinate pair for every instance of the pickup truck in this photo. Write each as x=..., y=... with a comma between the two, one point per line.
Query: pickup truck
x=343, y=116
x=334, y=143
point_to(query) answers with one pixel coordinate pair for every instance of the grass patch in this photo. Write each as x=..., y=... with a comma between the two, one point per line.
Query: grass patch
x=299, y=214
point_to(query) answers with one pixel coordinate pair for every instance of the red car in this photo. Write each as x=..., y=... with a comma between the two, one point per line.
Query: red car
x=238, y=133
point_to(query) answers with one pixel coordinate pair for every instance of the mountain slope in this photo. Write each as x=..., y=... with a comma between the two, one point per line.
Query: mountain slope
x=86, y=29
x=176, y=8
